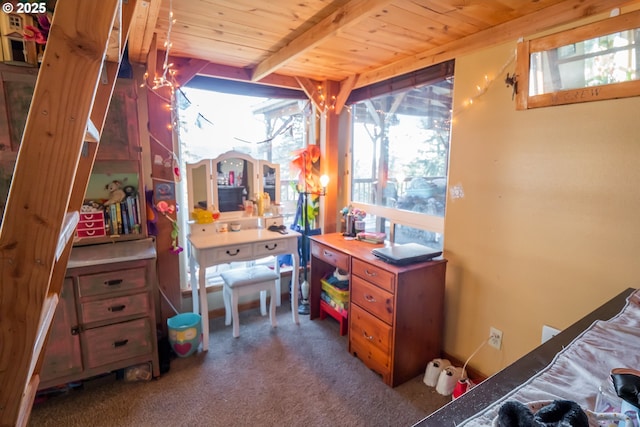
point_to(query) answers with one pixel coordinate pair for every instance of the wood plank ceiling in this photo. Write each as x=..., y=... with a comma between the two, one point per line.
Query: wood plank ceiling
x=357, y=41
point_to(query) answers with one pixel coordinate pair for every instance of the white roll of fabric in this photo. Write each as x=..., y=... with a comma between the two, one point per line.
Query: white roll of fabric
x=448, y=379
x=432, y=373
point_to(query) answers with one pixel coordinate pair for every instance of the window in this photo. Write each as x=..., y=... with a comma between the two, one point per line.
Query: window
x=15, y=22
x=213, y=122
x=400, y=154
x=589, y=63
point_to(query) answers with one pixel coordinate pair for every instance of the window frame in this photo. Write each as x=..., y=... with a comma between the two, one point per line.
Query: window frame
x=524, y=101
x=395, y=216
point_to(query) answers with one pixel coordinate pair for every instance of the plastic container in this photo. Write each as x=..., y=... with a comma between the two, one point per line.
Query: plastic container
x=335, y=293
x=185, y=333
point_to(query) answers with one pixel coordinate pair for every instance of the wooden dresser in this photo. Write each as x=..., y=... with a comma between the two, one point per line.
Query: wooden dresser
x=106, y=317
x=396, y=313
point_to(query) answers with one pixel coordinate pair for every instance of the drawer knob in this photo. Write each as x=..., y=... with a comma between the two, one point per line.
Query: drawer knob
x=328, y=254
x=233, y=254
x=370, y=273
x=117, y=307
x=370, y=298
x=369, y=337
x=113, y=282
x=120, y=343
x=270, y=248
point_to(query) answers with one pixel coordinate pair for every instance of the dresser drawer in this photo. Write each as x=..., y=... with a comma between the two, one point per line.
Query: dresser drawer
x=91, y=216
x=112, y=281
x=373, y=274
x=91, y=225
x=233, y=253
x=91, y=232
x=270, y=247
x=375, y=300
x=114, y=343
x=369, y=339
x=115, y=308
x=330, y=256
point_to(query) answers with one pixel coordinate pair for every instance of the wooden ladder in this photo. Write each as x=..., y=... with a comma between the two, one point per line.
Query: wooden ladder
x=70, y=102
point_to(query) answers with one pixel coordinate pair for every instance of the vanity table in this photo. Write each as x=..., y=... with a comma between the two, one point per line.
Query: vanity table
x=209, y=248
x=209, y=185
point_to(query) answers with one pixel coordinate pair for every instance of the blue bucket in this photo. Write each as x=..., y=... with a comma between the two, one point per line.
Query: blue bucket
x=185, y=333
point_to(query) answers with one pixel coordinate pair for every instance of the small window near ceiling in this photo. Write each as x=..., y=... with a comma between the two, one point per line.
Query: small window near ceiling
x=589, y=63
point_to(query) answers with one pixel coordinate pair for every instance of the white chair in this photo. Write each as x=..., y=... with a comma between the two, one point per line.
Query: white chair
x=244, y=281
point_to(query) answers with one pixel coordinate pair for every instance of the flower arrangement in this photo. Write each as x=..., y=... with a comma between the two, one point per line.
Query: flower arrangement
x=306, y=180
x=358, y=214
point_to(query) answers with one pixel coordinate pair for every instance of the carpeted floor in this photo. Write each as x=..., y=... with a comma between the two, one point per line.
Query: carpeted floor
x=294, y=375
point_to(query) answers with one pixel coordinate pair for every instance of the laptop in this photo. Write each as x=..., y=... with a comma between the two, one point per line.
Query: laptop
x=408, y=253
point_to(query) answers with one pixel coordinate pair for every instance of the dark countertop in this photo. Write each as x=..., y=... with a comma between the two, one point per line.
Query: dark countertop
x=515, y=374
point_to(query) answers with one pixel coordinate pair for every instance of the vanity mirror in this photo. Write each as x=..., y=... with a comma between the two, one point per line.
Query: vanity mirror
x=270, y=179
x=228, y=180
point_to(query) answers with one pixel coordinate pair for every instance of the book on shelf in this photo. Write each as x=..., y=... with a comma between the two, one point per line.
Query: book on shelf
x=123, y=218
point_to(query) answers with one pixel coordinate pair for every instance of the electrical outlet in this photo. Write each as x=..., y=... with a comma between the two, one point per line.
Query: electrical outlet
x=548, y=332
x=495, y=338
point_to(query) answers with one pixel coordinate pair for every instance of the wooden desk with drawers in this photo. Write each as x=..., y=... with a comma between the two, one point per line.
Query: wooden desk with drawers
x=396, y=313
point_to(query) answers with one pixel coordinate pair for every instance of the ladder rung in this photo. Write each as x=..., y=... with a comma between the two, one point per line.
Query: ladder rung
x=71, y=220
x=48, y=311
x=27, y=400
x=114, y=47
x=92, y=134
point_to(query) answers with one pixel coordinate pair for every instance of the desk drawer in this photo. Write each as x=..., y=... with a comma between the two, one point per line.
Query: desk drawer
x=367, y=328
x=373, y=274
x=233, y=253
x=271, y=247
x=112, y=281
x=370, y=340
x=375, y=300
x=115, y=308
x=330, y=256
x=117, y=342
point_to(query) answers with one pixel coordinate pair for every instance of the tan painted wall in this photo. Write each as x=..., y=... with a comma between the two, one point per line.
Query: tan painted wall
x=549, y=225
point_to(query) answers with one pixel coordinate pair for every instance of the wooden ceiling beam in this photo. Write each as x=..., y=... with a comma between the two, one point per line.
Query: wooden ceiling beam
x=310, y=88
x=347, y=15
x=152, y=60
x=143, y=25
x=244, y=75
x=549, y=17
x=346, y=86
x=186, y=68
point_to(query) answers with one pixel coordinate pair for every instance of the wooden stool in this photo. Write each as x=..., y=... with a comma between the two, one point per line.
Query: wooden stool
x=238, y=282
x=342, y=318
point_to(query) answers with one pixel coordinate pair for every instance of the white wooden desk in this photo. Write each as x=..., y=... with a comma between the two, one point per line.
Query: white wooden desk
x=209, y=248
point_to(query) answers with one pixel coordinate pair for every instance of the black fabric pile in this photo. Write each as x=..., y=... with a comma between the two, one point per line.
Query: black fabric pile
x=559, y=413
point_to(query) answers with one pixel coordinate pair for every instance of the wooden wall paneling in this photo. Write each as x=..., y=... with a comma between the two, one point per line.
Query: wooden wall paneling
x=17, y=84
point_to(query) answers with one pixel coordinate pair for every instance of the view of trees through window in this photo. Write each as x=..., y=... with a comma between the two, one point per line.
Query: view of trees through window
x=401, y=153
x=212, y=123
x=598, y=61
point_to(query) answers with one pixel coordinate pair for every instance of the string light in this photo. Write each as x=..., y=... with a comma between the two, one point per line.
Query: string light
x=487, y=83
x=163, y=81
